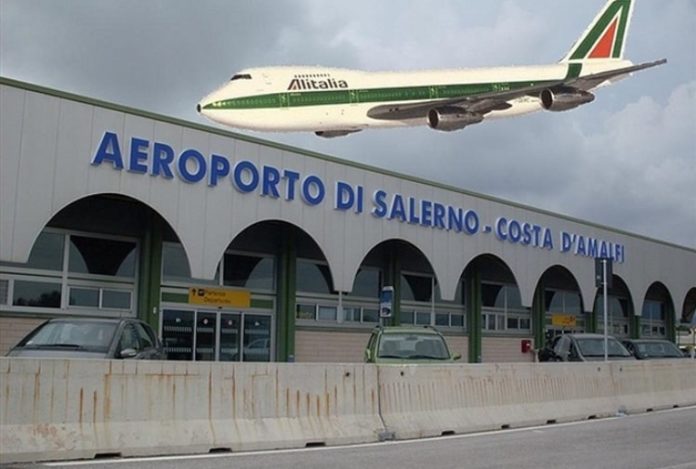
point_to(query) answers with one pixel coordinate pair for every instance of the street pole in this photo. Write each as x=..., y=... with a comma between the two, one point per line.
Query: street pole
x=604, y=292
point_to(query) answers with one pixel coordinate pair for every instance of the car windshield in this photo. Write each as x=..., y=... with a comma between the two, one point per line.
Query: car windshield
x=413, y=346
x=657, y=349
x=79, y=335
x=595, y=348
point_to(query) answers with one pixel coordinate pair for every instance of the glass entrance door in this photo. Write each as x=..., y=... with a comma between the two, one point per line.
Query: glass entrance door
x=230, y=336
x=257, y=338
x=217, y=336
x=206, y=336
x=177, y=334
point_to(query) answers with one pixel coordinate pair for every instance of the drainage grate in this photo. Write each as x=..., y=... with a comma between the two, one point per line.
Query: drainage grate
x=113, y=455
x=315, y=444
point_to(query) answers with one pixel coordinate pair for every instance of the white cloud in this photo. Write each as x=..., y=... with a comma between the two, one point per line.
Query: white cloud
x=646, y=157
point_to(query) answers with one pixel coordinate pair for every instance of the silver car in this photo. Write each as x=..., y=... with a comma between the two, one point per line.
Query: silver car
x=584, y=348
x=645, y=349
x=91, y=338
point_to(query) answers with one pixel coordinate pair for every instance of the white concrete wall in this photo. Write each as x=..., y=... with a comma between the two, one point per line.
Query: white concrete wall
x=422, y=401
x=54, y=409
x=459, y=344
x=330, y=346
x=505, y=350
x=13, y=329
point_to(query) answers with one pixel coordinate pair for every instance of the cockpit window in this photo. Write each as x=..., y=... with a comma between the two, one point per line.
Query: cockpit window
x=241, y=76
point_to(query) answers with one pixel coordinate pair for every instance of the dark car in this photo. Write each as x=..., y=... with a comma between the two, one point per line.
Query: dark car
x=644, y=349
x=407, y=344
x=91, y=338
x=583, y=348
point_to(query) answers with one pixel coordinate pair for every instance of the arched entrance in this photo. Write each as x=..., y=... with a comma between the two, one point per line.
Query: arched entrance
x=620, y=316
x=687, y=326
x=689, y=309
x=498, y=321
x=657, y=314
x=98, y=257
x=268, y=263
x=557, y=308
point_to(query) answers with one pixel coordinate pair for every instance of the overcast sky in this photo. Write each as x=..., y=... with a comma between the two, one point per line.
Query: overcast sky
x=628, y=160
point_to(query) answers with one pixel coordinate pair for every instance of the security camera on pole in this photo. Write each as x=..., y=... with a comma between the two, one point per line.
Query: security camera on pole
x=603, y=277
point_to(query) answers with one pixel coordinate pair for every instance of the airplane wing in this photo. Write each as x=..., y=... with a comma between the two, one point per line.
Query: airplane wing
x=592, y=81
x=483, y=103
x=479, y=102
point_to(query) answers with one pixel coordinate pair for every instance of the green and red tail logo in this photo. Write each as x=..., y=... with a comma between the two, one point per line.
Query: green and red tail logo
x=605, y=38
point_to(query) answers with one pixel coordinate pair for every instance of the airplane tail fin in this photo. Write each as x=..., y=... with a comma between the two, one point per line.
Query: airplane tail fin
x=605, y=37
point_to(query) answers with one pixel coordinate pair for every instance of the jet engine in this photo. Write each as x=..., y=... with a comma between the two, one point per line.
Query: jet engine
x=564, y=99
x=452, y=118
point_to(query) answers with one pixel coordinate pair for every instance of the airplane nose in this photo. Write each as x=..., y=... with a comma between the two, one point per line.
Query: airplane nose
x=198, y=108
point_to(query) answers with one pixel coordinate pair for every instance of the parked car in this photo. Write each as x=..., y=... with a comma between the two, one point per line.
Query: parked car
x=644, y=349
x=407, y=344
x=258, y=350
x=687, y=350
x=583, y=348
x=91, y=338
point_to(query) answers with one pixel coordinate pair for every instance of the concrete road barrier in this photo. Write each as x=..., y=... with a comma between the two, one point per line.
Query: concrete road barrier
x=70, y=409
x=656, y=384
x=53, y=409
x=424, y=401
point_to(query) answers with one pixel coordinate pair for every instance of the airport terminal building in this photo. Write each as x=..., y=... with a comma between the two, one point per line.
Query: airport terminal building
x=239, y=249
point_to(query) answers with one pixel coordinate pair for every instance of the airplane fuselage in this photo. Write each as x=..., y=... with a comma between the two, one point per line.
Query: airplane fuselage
x=326, y=99
x=333, y=102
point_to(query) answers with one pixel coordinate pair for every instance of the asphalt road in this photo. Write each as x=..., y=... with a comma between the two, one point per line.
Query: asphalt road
x=665, y=440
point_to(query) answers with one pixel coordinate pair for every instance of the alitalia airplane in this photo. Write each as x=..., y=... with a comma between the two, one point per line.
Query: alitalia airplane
x=335, y=102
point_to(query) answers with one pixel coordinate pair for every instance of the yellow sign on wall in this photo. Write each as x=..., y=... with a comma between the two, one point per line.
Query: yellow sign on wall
x=220, y=297
x=563, y=320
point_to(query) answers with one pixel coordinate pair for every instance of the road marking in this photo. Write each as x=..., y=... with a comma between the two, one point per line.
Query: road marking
x=537, y=429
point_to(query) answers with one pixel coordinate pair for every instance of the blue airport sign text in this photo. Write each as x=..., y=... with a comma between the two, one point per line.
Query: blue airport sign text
x=191, y=166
